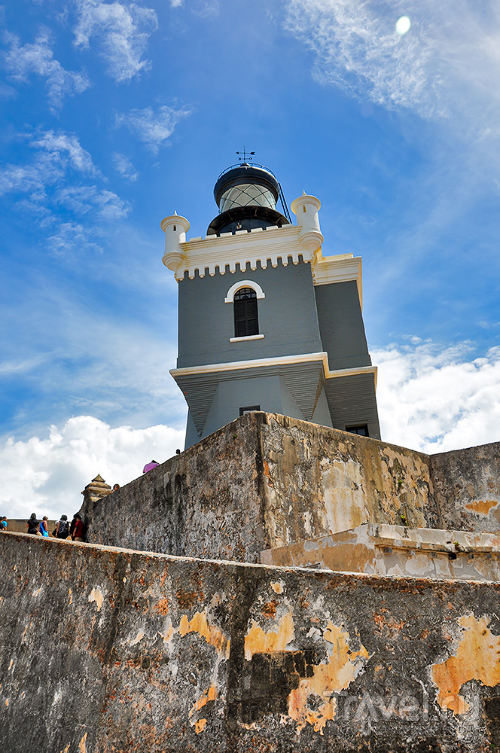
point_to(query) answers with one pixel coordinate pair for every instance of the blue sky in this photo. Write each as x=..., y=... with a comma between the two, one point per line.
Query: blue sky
x=115, y=114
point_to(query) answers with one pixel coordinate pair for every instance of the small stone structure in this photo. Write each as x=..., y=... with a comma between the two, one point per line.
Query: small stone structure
x=97, y=489
x=396, y=550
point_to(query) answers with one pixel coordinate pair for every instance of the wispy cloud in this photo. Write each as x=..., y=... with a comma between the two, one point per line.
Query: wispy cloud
x=124, y=167
x=83, y=199
x=447, y=64
x=153, y=128
x=55, y=153
x=55, y=179
x=201, y=8
x=433, y=399
x=65, y=238
x=37, y=58
x=121, y=30
x=46, y=474
x=66, y=145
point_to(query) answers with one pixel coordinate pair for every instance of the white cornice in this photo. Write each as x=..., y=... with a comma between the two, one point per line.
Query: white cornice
x=340, y=268
x=279, y=361
x=247, y=337
x=207, y=254
x=353, y=372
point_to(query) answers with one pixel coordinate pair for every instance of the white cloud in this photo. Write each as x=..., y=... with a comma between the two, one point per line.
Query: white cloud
x=122, y=31
x=447, y=64
x=83, y=199
x=45, y=475
x=124, y=167
x=69, y=237
x=176, y=3
x=154, y=129
x=70, y=358
x=66, y=145
x=437, y=400
x=29, y=178
x=55, y=154
x=38, y=58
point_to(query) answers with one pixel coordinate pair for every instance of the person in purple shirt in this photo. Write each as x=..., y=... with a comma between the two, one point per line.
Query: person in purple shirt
x=150, y=466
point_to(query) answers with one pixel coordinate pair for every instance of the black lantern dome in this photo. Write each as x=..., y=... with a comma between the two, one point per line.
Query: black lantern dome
x=246, y=195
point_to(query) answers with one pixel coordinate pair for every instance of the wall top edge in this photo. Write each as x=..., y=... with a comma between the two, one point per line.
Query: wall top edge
x=339, y=576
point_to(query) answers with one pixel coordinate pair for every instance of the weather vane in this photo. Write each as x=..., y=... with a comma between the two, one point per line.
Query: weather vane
x=246, y=155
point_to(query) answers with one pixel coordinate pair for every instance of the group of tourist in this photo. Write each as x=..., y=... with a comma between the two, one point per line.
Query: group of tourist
x=63, y=530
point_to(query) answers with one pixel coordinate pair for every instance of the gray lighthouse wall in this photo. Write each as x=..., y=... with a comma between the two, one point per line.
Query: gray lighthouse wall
x=341, y=325
x=352, y=402
x=287, y=316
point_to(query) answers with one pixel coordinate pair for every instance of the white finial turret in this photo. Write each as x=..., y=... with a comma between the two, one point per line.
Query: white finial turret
x=175, y=228
x=306, y=208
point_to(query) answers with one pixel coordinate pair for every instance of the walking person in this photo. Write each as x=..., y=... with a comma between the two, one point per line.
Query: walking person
x=33, y=524
x=72, y=526
x=43, y=526
x=62, y=528
x=79, y=528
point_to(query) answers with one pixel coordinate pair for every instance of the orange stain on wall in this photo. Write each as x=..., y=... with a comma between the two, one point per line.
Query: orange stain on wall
x=258, y=641
x=210, y=694
x=212, y=634
x=337, y=674
x=477, y=658
x=481, y=507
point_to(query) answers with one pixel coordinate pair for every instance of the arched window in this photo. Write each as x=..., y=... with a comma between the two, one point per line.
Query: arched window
x=246, y=321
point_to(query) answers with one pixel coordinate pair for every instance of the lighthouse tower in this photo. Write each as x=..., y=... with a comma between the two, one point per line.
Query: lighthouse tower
x=266, y=322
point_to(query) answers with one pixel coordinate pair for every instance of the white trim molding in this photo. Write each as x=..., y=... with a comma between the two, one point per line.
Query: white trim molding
x=248, y=337
x=280, y=361
x=243, y=284
x=250, y=364
x=353, y=372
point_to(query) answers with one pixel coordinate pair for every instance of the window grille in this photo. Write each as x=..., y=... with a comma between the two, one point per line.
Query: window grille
x=361, y=430
x=246, y=320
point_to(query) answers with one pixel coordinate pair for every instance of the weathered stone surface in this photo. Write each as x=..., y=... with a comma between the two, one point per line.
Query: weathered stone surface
x=320, y=480
x=113, y=651
x=396, y=550
x=205, y=502
x=260, y=482
x=467, y=487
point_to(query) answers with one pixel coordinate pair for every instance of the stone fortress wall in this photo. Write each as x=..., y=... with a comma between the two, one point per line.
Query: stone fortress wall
x=114, y=651
x=266, y=482
x=148, y=640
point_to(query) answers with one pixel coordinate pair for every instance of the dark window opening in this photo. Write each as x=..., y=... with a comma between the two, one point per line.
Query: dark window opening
x=246, y=322
x=249, y=409
x=362, y=430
